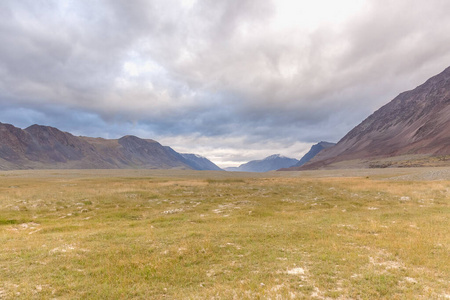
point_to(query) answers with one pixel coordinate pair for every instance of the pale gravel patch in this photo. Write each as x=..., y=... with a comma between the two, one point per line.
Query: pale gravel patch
x=302, y=273
x=227, y=208
x=410, y=280
x=277, y=288
x=211, y=273
x=173, y=211
x=238, y=247
x=348, y=226
x=296, y=271
x=30, y=225
x=195, y=204
x=288, y=200
x=63, y=249
x=387, y=265
x=316, y=293
x=382, y=261
x=8, y=289
x=182, y=250
x=25, y=226
x=34, y=231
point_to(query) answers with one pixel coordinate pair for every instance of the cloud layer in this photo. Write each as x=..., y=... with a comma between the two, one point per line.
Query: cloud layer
x=233, y=80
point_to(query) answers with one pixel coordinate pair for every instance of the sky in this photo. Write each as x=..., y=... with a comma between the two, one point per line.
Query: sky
x=232, y=80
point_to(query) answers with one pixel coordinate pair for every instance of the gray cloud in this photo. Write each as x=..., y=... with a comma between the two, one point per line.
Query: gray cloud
x=216, y=72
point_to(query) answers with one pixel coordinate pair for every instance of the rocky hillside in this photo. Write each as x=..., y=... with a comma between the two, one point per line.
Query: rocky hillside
x=415, y=122
x=44, y=147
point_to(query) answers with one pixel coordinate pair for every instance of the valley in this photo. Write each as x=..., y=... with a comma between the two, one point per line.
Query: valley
x=225, y=150
x=141, y=234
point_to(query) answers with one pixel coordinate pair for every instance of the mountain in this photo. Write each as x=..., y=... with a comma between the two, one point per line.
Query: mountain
x=44, y=147
x=271, y=163
x=315, y=149
x=199, y=162
x=414, y=125
x=233, y=169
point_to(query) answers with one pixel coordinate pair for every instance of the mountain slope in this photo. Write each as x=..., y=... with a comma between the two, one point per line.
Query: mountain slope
x=271, y=163
x=315, y=149
x=44, y=147
x=199, y=162
x=38, y=146
x=415, y=122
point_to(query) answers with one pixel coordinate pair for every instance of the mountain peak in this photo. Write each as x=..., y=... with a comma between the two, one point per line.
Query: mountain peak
x=37, y=127
x=274, y=156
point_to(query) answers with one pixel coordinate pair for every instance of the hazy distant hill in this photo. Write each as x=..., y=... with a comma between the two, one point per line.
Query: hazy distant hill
x=44, y=147
x=415, y=122
x=271, y=163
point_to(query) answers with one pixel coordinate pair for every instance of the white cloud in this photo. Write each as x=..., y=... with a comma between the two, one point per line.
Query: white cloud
x=311, y=15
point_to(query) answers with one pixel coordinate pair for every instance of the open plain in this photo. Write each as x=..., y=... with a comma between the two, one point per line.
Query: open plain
x=150, y=234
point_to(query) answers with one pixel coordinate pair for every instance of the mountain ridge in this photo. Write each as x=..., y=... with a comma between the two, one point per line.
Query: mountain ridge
x=46, y=147
x=416, y=122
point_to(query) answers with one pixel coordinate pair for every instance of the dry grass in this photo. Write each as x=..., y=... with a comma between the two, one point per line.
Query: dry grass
x=215, y=235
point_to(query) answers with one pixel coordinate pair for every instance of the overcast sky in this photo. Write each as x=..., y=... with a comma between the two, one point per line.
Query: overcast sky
x=233, y=80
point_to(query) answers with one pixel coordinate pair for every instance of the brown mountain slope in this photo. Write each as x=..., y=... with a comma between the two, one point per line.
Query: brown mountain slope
x=44, y=147
x=415, y=122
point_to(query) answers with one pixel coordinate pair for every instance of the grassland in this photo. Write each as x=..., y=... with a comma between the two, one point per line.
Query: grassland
x=367, y=234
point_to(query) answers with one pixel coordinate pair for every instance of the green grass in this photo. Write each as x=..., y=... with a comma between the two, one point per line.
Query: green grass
x=196, y=235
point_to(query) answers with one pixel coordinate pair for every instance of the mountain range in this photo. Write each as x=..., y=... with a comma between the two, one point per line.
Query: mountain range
x=411, y=130
x=270, y=163
x=44, y=147
x=277, y=161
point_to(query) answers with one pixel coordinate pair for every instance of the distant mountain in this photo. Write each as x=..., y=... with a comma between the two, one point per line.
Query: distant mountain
x=44, y=147
x=233, y=169
x=415, y=122
x=271, y=163
x=315, y=149
x=199, y=162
